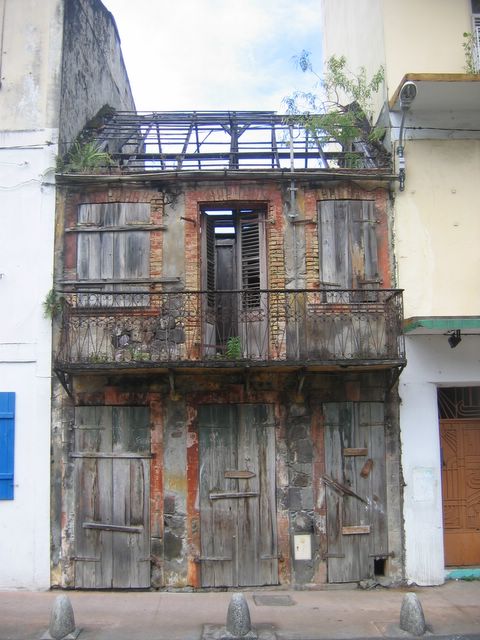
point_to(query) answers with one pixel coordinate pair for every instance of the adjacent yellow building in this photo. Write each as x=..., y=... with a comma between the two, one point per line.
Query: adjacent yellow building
x=429, y=106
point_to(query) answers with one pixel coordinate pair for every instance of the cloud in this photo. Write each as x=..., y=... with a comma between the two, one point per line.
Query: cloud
x=215, y=54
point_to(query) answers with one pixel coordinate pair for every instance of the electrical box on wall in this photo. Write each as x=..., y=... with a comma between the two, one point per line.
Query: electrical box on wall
x=302, y=546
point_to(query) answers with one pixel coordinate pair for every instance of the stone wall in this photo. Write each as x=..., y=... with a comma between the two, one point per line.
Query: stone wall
x=93, y=72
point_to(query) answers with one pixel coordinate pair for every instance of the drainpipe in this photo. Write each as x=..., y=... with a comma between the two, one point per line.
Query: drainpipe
x=407, y=96
x=293, y=207
x=2, y=34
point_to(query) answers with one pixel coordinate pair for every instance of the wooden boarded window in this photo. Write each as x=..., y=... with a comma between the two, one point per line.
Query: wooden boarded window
x=348, y=244
x=113, y=248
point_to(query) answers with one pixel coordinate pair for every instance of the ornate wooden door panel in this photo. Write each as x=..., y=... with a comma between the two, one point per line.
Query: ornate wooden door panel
x=112, y=480
x=355, y=489
x=460, y=442
x=237, y=495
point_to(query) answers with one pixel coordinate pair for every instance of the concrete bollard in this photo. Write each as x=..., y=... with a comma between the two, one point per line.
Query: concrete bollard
x=412, y=619
x=62, y=621
x=238, y=625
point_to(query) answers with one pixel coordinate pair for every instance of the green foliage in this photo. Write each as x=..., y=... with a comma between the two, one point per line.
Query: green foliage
x=52, y=304
x=341, y=106
x=85, y=157
x=470, y=50
x=233, y=349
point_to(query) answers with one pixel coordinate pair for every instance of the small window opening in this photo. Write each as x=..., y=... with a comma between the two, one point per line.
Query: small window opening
x=379, y=566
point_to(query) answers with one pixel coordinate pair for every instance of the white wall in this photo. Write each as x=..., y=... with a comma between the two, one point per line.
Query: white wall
x=431, y=363
x=27, y=205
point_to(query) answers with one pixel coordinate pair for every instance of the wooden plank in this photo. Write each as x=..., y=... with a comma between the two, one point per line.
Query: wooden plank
x=91, y=454
x=112, y=527
x=372, y=422
x=239, y=474
x=268, y=540
x=249, y=429
x=139, y=227
x=233, y=494
x=121, y=578
x=355, y=529
x=352, y=451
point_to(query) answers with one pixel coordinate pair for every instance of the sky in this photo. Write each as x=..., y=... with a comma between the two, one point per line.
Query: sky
x=216, y=54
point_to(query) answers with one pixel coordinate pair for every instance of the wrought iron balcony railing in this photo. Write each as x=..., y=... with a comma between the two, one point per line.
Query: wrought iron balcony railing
x=126, y=328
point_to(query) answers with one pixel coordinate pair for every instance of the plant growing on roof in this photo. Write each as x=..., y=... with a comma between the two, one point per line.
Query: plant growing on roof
x=324, y=115
x=84, y=157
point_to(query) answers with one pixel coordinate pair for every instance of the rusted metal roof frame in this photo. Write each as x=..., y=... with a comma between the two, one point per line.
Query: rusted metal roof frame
x=218, y=140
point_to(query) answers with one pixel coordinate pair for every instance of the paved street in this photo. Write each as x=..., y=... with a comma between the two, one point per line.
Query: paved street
x=450, y=610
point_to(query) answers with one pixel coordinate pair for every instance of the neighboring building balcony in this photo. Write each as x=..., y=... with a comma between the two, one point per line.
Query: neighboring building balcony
x=324, y=328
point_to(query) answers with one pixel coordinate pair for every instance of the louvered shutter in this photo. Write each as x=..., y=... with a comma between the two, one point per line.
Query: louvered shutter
x=210, y=259
x=251, y=269
x=252, y=281
x=7, y=442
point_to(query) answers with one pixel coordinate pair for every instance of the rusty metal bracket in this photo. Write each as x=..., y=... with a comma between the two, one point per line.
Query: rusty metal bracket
x=66, y=381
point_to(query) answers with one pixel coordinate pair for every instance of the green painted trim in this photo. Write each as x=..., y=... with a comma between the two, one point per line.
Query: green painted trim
x=464, y=574
x=436, y=323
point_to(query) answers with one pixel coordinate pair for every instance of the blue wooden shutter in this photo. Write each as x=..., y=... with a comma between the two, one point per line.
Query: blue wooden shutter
x=7, y=438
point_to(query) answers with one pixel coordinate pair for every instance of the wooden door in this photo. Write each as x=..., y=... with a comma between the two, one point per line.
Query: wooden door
x=225, y=300
x=355, y=489
x=112, y=480
x=237, y=495
x=460, y=446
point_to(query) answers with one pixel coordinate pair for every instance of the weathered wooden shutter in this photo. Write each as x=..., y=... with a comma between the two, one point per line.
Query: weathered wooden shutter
x=7, y=442
x=333, y=243
x=348, y=244
x=116, y=251
x=363, y=244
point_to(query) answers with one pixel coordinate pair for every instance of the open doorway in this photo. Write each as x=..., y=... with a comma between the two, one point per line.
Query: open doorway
x=234, y=280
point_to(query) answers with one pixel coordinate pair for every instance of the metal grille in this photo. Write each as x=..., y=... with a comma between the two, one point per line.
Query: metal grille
x=459, y=402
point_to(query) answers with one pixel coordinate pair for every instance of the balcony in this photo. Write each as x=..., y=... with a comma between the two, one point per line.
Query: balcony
x=325, y=329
